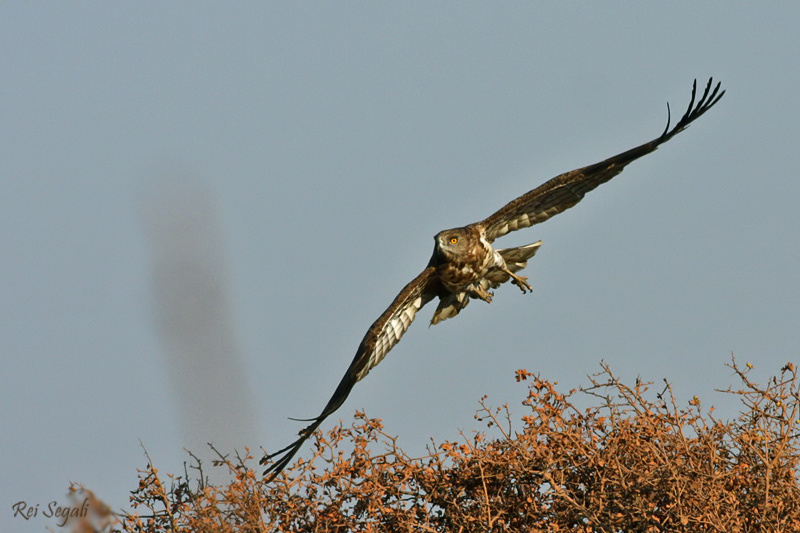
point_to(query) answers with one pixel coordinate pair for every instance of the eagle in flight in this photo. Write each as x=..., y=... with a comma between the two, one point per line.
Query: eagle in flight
x=465, y=265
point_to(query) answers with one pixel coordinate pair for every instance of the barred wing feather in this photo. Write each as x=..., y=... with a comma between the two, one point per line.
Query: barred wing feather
x=381, y=337
x=566, y=190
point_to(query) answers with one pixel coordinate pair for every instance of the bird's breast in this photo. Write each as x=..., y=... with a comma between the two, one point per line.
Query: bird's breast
x=459, y=272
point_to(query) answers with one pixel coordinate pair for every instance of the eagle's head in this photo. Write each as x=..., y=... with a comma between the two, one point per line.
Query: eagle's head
x=452, y=243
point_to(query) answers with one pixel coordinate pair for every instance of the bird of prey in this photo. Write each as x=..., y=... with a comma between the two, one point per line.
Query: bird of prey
x=464, y=264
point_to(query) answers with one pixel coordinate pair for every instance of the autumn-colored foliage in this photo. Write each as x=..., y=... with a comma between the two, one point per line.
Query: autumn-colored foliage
x=634, y=461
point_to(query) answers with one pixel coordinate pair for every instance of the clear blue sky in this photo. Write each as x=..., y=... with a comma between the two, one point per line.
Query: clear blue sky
x=330, y=143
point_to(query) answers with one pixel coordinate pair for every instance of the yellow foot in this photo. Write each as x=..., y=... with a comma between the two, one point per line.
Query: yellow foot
x=482, y=293
x=521, y=282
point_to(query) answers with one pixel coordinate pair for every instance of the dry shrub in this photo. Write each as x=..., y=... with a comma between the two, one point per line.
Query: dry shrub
x=634, y=462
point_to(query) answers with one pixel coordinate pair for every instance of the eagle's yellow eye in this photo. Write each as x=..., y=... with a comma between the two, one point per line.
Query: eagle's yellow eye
x=453, y=240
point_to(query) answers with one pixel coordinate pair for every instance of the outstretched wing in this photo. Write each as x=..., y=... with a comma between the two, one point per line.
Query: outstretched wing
x=380, y=338
x=566, y=190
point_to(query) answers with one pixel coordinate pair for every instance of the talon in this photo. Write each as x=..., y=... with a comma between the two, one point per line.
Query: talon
x=483, y=294
x=521, y=282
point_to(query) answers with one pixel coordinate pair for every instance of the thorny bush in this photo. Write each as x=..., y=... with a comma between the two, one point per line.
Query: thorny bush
x=636, y=461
